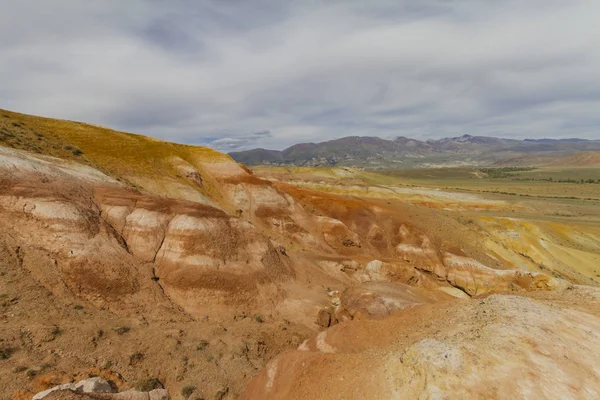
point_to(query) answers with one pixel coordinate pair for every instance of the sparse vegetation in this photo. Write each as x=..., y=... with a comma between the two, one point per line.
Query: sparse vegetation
x=202, y=345
x=6, y=352
x=45, y=367
x=75, y=150
x=149, y=384
x=187, y=391
x=259, y=318
x=504, y=172
x=221, y=394
x=136, y=357
x=121, y=330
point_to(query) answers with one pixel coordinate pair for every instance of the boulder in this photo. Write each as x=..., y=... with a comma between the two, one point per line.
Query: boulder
x=101, y=389
x=91, y=385
x=66, y=386
x=324, y=318
x=94, y=385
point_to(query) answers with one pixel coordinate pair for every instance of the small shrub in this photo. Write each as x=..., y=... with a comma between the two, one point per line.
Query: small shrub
x=6, y=352
x=78, y=307
x=20, y=369
x=31, y=373
x=202, y=345
x=136, y=357
x=259, y=318
x=187, y=390
x=120, y=330
x=45, y=367
x=56, y=331
x=149, y=385
x=220, y=395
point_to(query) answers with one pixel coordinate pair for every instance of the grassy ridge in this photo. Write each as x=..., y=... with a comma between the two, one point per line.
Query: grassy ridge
x=142, y=161
x=119, y=153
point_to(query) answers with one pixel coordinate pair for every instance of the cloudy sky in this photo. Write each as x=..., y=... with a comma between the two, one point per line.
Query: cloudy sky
x=238, y=74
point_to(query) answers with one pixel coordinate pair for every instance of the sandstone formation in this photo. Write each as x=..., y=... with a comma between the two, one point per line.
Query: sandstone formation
x=503, y=347
x=157, y=394
x=141, y=261
x=98, y=388
x=91, y=385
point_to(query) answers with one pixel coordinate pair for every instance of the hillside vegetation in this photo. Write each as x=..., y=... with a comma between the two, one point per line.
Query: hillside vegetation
x=150, y=164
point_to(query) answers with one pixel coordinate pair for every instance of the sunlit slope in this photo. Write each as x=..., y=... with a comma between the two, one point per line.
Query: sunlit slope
x=154, y=165
x=532, y=224
x=574, y=182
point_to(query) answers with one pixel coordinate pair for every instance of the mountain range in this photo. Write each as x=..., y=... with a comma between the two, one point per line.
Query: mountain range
x=377, y=153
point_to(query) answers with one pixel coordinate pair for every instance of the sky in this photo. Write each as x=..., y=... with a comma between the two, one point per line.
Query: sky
x=241, y=74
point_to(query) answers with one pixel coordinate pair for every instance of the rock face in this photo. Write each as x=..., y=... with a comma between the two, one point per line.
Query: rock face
x=157, y=394
x=91, y=385
x=378, y=300
x=475, y=278
x=99, y=389
x=497, y=347
x=82, y=232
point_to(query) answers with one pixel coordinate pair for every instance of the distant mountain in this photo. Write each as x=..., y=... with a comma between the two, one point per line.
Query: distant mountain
x=570, y=140
x=258, y=156
x=376, y=153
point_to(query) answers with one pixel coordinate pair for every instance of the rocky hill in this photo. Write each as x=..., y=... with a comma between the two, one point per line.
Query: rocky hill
x=376, y=153
x=157, y=266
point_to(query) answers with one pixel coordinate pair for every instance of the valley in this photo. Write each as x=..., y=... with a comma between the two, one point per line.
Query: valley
x=157, y=265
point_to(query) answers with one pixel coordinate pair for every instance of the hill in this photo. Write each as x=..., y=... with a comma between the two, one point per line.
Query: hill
x=153, y=264
x=402, y=153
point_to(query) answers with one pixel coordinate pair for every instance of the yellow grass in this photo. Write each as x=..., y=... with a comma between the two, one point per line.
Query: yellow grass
x=124, y=156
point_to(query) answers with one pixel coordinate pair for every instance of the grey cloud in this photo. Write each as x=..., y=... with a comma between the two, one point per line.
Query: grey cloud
x=211, y=71
x=238, y=142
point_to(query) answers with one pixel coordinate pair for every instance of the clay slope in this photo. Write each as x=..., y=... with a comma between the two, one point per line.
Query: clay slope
x=81, y=232
x=583, y=159
x=98, y=277
x=503, y=347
